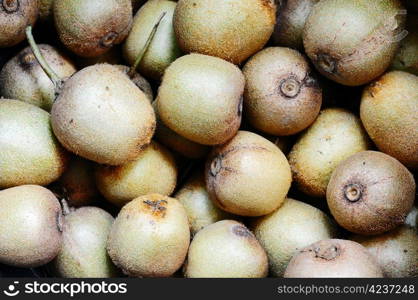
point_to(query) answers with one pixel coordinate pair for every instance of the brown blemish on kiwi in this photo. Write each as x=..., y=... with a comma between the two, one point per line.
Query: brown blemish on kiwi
x=242, y=231
x=11, y=6
x=157, y=207
x=328, y=253
x=327, y=63
x=108, y=40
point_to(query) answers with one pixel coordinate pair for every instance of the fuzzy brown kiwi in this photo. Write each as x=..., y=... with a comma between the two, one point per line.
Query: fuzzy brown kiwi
x=370, y=193
x=281, y=95
x=353, y=41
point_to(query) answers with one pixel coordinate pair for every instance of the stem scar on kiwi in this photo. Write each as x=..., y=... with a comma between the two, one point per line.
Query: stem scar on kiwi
x=158, y=207
x=11, y=6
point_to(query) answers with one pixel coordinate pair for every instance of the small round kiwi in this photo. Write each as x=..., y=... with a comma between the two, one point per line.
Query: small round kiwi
x=24, y=79
x=248, y=176
x=412, y=218
x=150, y=237
x=139, y=81
x=334, y=136
x=163, y=49
x=290, y=228
x=200, y=98
x=389, y=112
x=15, y=15
x=46, y=10
x=370, y=193
x=30, y=154
x=30, y=227
x=396, y=251
x=353, y=41
x=333, y=258
x=90, y=28
x=225, y=249
x=230, y=29
x=153, y=171
x=281, y=95
x=83, y=253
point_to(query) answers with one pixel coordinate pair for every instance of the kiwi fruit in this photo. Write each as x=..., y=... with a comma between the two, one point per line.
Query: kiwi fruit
x=334, y=136
x=150, y=237
x=230, y=29
x=15, y=15
x=281, y=95
x=291, y=19
x=389, y=110
x=30, y=154
x=30, y=227
x=200, y=98
x=370, y=193
x=412, y=218
x=248, y=175
x=46, y=10
x=24, y=79
x=353, y=41
x=90, y=28
x=333, y=258
x=153, y=171
x=226, y=249
x=83, y=253
x=396, y=251
x=163, y=49
x=290, y=228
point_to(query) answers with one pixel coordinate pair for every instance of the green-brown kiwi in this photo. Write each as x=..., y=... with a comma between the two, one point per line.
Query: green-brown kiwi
x=248, y=176
x=230, y=29
x=290, y=228
x=90, y=28
x=200, y=98
x=225, y=249
x=353, y=41
x=30, y=154
x=370, y=193
x=15, y=15
x=30, y=227
x=333, y=258
x=150, y=237
x=396, y=251
x=281, y=95
x=389, y=110
x=83, y=253
x=335, y=135
x=153, y=171
x=24, y=79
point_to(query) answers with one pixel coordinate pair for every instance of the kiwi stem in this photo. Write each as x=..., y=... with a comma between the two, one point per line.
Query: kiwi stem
x=65, y=207
x=141, y=54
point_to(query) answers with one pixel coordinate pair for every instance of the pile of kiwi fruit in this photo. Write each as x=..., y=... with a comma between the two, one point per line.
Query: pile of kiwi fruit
x=209, y=139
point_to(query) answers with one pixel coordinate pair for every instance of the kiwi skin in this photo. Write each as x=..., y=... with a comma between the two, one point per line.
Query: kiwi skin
x=238, y=254
x=396, y=251
x=370, y=193
x=22, y=77
x=388, y=110
x=30, y=230
x=15, y=16
x=150, y=237
x=281, y=95
x=218, y=28
x=333, y=258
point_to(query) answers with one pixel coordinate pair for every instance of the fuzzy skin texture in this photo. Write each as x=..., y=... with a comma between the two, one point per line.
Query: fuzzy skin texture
x=102, y=116
x=370, y=193
x=226, y=249
x=389, y=112
x=153, y=171
x=281, y=95
x=150, y=237
x=396, y=251
x=90, y=28
x=200, y=98
x=334, y=136
x=230, y=29
x=24, y=79
x=289, y=229
x=30, y=227
x=30, y=154
x=353, y=41
x=163, y=49
x=83, y=253
x=139, y=81
x=248, y=176
x=15, y=16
